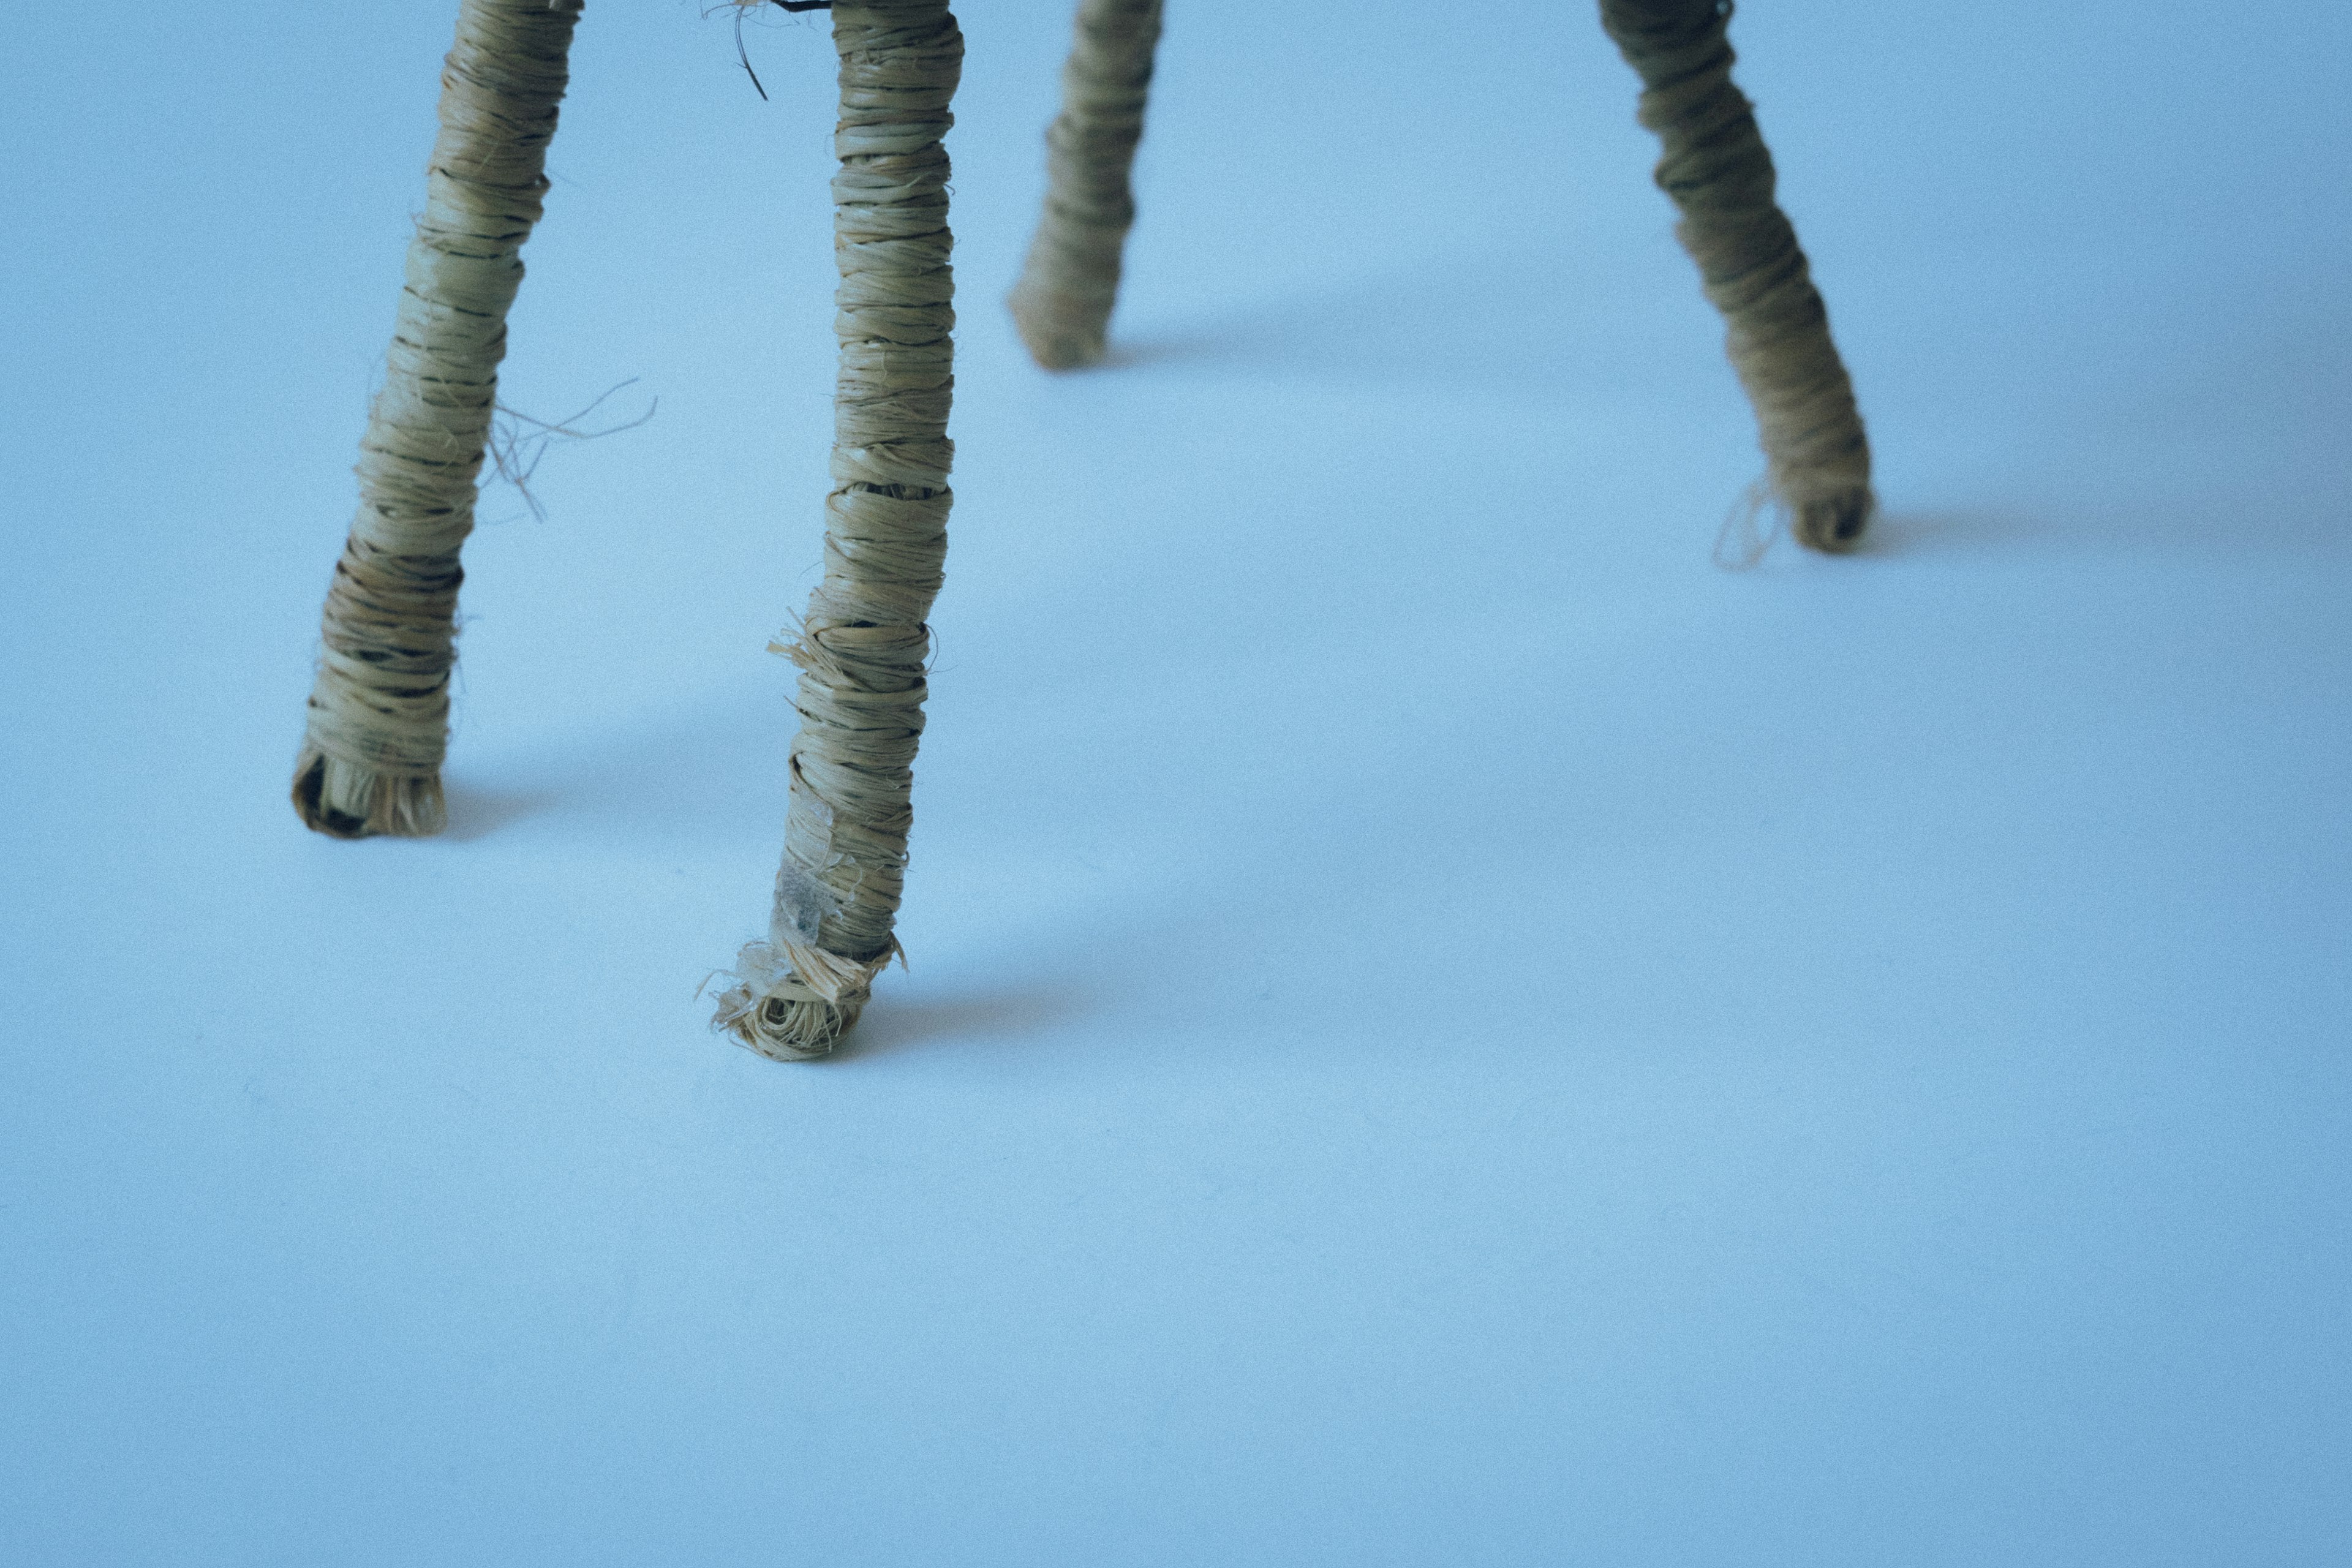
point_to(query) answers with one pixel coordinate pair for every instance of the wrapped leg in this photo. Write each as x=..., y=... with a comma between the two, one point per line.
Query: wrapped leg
x=1715, y=167
x=378, y=712
x=1061, y=304
x=864, y=642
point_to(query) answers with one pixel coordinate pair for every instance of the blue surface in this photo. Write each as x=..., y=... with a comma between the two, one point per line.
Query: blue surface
x=1441, y=1027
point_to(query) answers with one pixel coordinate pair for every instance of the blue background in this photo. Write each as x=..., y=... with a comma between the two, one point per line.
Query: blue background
x=1442, y=1028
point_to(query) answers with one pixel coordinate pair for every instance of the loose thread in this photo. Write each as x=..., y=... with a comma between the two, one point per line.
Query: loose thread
x=515, y=454
x=742, y=54
x=1063, y=302
x=1714, y=165
x=378, y=720
x=1740, y=544
x=863, y=645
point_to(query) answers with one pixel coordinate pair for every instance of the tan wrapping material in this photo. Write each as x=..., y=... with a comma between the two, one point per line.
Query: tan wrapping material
x=1715, y=167
x=1061, y=304
x=863, y=645
x=379, y=713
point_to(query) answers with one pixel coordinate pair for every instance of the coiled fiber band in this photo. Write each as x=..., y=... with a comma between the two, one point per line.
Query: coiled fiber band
x=863, y=645
x=1717, y=169
x=379, y=713
x=1063, y=302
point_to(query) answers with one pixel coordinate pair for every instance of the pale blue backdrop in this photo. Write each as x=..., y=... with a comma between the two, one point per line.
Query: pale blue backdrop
x=1442, y=1029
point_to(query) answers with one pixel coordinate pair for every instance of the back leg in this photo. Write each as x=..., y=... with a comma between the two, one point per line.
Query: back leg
x=1061, y=304
x=1717, y=169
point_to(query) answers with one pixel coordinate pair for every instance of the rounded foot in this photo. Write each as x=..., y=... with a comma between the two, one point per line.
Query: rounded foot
x=784, y=1030
x=1835, y=524
x=1062, y=332
x=772, y=1008
x=344, y=800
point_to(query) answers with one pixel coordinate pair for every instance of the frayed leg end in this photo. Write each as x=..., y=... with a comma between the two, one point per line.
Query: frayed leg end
x=770, y=1008
x=783, y=1029
x=346, y=800
x=1062, y=332
x=1835, y=523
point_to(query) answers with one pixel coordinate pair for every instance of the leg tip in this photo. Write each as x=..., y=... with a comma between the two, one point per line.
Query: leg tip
x=1835, y=523
x=344, y=800
x=787, y=1030
x=1060, y=333
x=771, y=1007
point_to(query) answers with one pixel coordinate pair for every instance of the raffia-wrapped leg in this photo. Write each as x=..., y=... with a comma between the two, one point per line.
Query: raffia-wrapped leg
x=1061, y=304
x=1717, y=169
x=379, y=716
x=863, y=645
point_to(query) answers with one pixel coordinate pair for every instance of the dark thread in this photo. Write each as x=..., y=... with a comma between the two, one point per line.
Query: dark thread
x=744, y=56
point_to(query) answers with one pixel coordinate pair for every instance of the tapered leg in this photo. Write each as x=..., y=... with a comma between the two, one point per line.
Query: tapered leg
x=863, y=644
x=1063, y=302
x=379, y=714
x=1717, y=169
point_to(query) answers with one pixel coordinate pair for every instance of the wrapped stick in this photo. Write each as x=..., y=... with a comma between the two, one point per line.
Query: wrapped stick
x=1061, y=304
x=379, y=711
x=863, y=645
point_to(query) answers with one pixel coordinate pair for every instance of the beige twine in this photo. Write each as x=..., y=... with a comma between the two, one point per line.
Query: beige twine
x=1717, y=169
x=1063, y=302
x=863, y=645
x=379, y=716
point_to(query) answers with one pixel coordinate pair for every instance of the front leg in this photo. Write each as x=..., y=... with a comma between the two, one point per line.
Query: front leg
x=863, y=645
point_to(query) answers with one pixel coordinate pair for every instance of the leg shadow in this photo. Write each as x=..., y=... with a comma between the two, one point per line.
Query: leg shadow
x=475, y=813
x=1898, y=534
x=894, y=1023
x=2183, y=525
